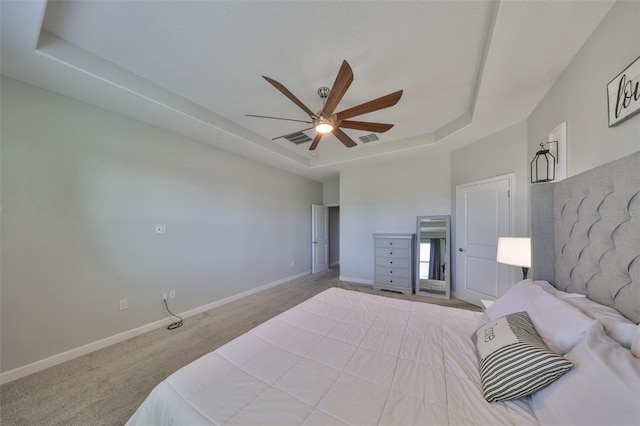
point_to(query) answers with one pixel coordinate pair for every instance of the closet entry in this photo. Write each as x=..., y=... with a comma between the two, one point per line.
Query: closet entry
x=483, y=213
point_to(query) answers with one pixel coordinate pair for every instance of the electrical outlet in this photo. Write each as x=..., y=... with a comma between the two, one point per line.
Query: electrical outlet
x=124, y=304
x=172, y=294
x=161, y=229
x=293, y=262
x=164, y=296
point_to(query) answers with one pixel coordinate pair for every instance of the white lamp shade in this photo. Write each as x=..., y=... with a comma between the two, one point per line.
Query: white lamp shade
x=514, y=251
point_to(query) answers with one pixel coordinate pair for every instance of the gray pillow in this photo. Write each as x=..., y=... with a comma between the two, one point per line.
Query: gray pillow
x=514, y=361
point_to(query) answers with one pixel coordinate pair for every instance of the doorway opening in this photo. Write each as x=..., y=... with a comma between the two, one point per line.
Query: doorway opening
x=334, y=236
x=325, y=237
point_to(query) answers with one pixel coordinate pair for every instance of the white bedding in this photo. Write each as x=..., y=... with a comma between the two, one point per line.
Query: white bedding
x=341, y=357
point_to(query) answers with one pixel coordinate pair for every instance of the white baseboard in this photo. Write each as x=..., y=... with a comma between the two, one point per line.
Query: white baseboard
x=356, y=280
x=51, y=361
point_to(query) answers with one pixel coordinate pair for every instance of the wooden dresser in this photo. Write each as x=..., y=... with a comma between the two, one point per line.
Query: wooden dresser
x=394, y=262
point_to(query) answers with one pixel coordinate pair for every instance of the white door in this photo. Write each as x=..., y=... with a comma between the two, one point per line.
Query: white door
x=319, y=238
x=483, y=213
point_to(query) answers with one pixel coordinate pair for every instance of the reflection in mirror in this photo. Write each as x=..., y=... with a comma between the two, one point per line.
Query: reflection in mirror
x=432, y=256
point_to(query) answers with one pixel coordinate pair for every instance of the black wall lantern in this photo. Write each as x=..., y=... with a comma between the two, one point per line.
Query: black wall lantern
x=543, y=165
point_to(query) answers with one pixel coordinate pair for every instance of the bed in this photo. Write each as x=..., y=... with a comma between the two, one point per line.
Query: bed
x=345, y=357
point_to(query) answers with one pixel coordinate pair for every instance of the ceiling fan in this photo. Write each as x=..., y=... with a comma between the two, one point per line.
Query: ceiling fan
x=325, y=121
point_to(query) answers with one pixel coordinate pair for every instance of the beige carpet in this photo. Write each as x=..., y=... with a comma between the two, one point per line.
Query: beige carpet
x=106, y=387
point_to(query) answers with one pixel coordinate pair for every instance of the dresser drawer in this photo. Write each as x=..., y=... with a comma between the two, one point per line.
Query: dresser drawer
x=396, y=262
x=392, y=252
x=393, y=243
x=385, y=280
x=392, y=272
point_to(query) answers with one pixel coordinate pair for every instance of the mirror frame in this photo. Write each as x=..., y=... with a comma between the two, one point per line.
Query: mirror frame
x=447, y=257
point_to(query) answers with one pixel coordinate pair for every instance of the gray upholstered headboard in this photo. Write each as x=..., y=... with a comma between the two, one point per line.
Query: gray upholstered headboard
x=593, y=247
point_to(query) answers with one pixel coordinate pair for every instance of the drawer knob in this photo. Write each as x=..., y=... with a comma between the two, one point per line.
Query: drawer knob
x=391, y=262
x=390, y=252
x=391, y=272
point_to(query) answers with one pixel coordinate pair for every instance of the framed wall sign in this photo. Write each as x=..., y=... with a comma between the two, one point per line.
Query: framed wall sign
x=623, y=94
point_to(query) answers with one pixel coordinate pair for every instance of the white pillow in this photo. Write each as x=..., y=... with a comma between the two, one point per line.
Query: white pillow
x=635, y=343
x=553, y=290
x=602, y=389
x=560, y=325
x=616, y=325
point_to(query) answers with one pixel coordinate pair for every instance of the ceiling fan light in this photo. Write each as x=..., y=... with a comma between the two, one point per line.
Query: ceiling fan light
x=323, y=124
x=324, y=128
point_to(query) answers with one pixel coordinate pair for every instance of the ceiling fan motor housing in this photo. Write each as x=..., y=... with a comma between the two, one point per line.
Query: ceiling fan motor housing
x=321, y=122
x=323, y=92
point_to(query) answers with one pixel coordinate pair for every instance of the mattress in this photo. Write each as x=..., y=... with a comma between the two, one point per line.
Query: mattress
x=341, y=357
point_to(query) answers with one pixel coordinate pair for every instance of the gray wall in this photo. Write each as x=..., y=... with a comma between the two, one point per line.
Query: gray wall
x=501, y=153
x=498, y=154
x=579, y=96
x=331, y=193
x=82, y=189
x=387, y=198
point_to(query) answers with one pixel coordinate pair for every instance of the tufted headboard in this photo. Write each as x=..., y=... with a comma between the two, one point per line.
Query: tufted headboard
x=594, y=245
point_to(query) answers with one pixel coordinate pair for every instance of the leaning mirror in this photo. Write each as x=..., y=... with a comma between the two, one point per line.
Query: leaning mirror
x=432, y=256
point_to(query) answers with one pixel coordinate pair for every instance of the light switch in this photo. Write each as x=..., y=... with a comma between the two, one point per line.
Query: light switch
x=161, y=229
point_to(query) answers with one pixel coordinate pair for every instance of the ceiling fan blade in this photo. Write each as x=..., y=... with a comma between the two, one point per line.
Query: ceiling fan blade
x=315, y=142
x=292, y=133
x=277, y=118
x=374, y=105
x=344, y=138
x=289, y=95
x=339, y=88
x=366, y=126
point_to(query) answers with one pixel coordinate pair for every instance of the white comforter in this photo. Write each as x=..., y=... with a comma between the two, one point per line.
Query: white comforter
x=341, y=357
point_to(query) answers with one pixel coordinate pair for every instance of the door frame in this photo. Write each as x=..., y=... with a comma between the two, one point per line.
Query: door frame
x=511, y=177
x=329, y=207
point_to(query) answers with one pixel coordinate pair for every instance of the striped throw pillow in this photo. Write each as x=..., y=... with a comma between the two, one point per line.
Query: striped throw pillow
x=514, y=361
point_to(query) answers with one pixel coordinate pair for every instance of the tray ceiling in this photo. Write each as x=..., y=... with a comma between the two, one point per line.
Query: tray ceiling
x=194, y=68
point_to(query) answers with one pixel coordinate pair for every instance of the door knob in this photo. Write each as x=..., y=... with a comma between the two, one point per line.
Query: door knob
x=460, y=249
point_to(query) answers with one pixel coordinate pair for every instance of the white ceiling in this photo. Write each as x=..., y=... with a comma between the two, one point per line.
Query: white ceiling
x=467, y=68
